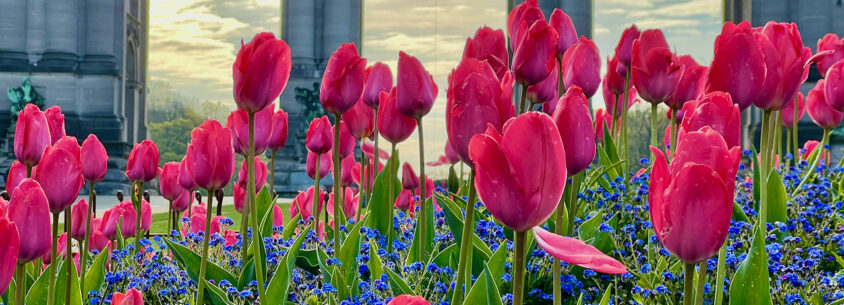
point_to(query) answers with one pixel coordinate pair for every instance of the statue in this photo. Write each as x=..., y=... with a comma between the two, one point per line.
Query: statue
x=25, y=94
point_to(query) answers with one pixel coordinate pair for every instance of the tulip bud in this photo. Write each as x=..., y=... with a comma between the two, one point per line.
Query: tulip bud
x=624, y=49
x=55, y=119
x=350, y=204
x=129, y=217
x=79, y=219
x=278, y=216
x=347, y=141
x=415, y=88
x=546, y=90
x=260, y=174
x=94, y=159
x=392, y=124
x=738, y=66
x=320, y=137
x=561, y=22
x=278, y=136
x=818, y=106
x=532, y=64
x=405, y=201
x=450, y=154
x=581, y=66
x=143, y=162
x=305, y=202
x=489, y=45
x=168, y=181
x=717, y=111
x=406, y=299
x=602, y=120
x=834, y=87
x=830, y=42
x=785, y=57
x=60, y=174
x=379, y=79
x=359, y=120
x=29, y=209
x=210, y=156
x=526, y=13
x=17, y=172
x=613, y=81
x=238, y=123
x=132, y=297
x=690, y=85
x=146, y=216
x=10, y=242
x=347, y=165
x=185, y=180
x=343, y=79
x=260, y=72
x=574, y=121
x=183, y=202
x=325, y=163
x=656, y=71
x=409, y=179
x=787, y=113
x=32, y=135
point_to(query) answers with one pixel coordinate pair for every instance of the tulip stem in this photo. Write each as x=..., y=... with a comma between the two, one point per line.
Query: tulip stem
x=689, y=284
x=272, y=175
x=522, y=97
x=625, y=104
x=338, y=214
x=51, y=289
x=654, y=120
x=392, y=192
x=788, y=146
x=137, y=190
x=520, y=240
x=575, y=187
x=465, y=242
x=763, y=170
x=203, y=265
x=257, y=247
x=815, y=160
x=423, y=217
x=556, y=268
x=315, y=210
x=720, y=273
x=674, y=127
x=20, y=276
x=68, y=254
x=778, y=139
x=701, y=281
x=83, y=260
x=795, y=140
x=376, y=155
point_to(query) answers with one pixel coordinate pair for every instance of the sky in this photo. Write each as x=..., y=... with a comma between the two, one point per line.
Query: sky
x=194, y=42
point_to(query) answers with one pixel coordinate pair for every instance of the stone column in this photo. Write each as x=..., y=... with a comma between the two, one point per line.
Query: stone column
x=99, y=45
x=336, y=27
x=36, y=31
x=60, y=54
x=13, y=35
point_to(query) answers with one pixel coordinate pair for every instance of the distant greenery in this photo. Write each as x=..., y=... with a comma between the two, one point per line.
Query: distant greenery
x=309, y=98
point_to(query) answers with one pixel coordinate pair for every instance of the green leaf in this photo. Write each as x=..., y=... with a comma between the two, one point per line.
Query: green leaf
x=605, y=300
x=496, y=263
x=38, y=292
x=339, y=282
x=95, y=278
x=398, y=284
x=413, y=255
x=381, y=219
x=351, y=247
x=484, y=291
x=589, y=227
x=247, y=274
x=290, y=228
x=750, y=284
x=264, y=203
x=776, y=199
x=280, y=283
x=445, y=256
x=454, y=219
x=376, y=267
x=738, y=213
x=611, y=149
x=191, y=262
x=215, y=295
x=754, y=162
x=607, y=162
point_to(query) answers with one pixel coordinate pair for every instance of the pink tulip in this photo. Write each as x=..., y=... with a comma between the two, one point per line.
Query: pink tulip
x=809, y=147
x=238, y=123
x=260, y=174
x=278, y=136
x=196, y=209
x=28, y=208
x=692, y=199
x=305, y=202
x=168, y=181
x=415, y=88
x=55, y=120
x=738, y=66
x=10, y=242
x=347, y=141
x=405, y=201
x=143, y=162
x=343, y=79
x=239, y=196
x=489, y=45
x=613, y=81
x=350, y=203
x=717, y=111
x=347, y=165
x=450, y=153
x=476, y=99
x=94, y=159
x=624, y=48
x=108, y=225
x=132, y=297
x=690, y=85
x=379, y=79
x=183, y=202
x=60, y=174
x=359, y=120
x=614, y=103
x=656, y=71
x=407, y=299
x=17, y=172
x=4, y=206
x=409, y=179
x=79, y=219
x=561, y=22
x=785, y=56
x=830, y=42
x=574, y=121
x=526, y=13
x=32, y=135
x=61, y=245
x=369, y=150
x=546, y=90
x=429, y=189
x=278, y=216
x=817, y=105
x=581, y=66
x=368, y=174
x=576, y=252
x=392, y=124
x=260, y=71
x=130, y=219
x=325, y=164
x=534, y=55
x=602, y=120
x=518, y=193
x=185, y=180
x=210, y=155
x=834, y=88
x=320, y=136
x=98, y=241
x=146, y=215
x=787, y=113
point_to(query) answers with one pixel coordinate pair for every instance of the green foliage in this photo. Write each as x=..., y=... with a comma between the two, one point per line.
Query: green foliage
x=639, y=133
x=309, y=98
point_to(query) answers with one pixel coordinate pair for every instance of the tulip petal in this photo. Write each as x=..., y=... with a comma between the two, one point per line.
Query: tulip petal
x=494, y=182
x=574, y=251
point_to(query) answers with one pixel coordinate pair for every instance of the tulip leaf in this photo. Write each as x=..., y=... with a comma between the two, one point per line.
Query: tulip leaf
x=38, y=293
x=351, y=248
x=454, y=220
x=589, y=227
x=413, y=255
x=750, y=284
x=605, y=300
x=445, y=256
x=453, y=180
x=277, y=289
x=216, y=296
x=290, y=228
x=376, y=267
x=484, y=291
x=264, y=203
x=190, y=262
x=267, y=224
x=496, y=263
x=754, y=162
x=738, y=213
x=397, y=283
x=776, y=199
x=607, y=163
x=95, y=277
x=381, y=203
x=338, y=281
x=247, y=274
x=611, y=149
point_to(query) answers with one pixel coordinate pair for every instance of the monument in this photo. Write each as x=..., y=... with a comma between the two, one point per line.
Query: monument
x=87, y=56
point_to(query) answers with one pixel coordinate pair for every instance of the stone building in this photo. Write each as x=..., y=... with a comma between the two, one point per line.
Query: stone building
x=87, y=56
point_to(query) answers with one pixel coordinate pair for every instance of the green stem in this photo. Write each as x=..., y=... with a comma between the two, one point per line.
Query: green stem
x=83, y=260
x=68, y=255
x=522, y=103
x=815, y=162
x=575, y=186
x=338, y=214
x=272, y=174
x=392, y=192
x=763, y=170
x=720, y=273
x=423, y=217
x=674, y=132
x=376, y=157
x=558, y=228
x=19, y=283
x=689, y=284
x=701, y=281
x=624, y=102
x=520, y=240
x=257, y=247
x=137, y=190
x=362, y=185
x=465, y=243
x=654, y=120
x=203, y=265
x=315, y=210
x=788, y=146
x=51, y=289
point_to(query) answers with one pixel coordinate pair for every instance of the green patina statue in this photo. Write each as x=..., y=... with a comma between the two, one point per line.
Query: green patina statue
x=25, y=94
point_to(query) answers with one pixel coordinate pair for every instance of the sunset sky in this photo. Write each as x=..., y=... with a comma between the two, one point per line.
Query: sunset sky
x=194, y=42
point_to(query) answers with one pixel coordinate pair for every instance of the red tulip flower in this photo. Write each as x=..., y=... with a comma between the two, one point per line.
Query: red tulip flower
x=325, y=164
x=143, y=162
x=359, y=120
x=404, y=201
x=392, y=124
x=94, y=159
x=342, y=82
x=350, y=203
x=185, y=180
x=28, y=208
x=690, y=85
x=379, y=79
x=130, y=219
x=582, y=66
x=450, y=153
x=368, y=174
x=535, y=54
x=17, y=172
x=305, y=202
x=278, y=136
x=614, y=102
x=168, y=181
x=518, y=193
x=409, y=179
x=415, y=88
x=407, y=299
x=55, y=119
x=830, y=42
x=656, y=71
x=738, y=66
x=834, y=87
x=525, y=13
x=787, y=113
x=183, y=202
x=691, y=201
x=108, y=223
x=347, y=141
x=576, y=252
x=819, y=109
x=210, y=156
x=238, y=123
x=32, y=135
x=574, y=121
x=260, y=72
x=624, y=48
x=260, y=174
x=546, y=90
x=10, y=242
x=132, y=297
x=278, y=216
x=146, y=215
x=602, y=120
x=320, y=137
x=561, y=22
x=613, y=81
x=717, y=111
x=239, y=197
x=60, y=174
x=476, y=99
x=79, y=217
x=347, y=166
x=491, y=46
x=785, y=58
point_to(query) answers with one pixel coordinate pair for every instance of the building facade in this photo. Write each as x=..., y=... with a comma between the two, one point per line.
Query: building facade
x=87, y=56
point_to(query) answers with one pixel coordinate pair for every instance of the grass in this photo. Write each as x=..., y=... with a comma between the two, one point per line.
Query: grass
x=159, y=220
